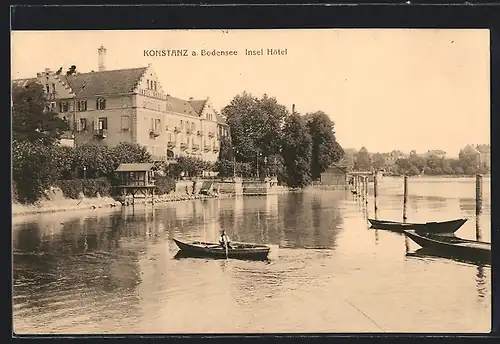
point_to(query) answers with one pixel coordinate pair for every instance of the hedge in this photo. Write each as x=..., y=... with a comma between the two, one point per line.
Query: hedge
x=90, y=187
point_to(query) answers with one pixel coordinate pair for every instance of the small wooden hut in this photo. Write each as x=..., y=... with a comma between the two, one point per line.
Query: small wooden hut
x=136, y=177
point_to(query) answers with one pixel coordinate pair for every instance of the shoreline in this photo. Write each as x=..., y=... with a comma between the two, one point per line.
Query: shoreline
x=67, y=205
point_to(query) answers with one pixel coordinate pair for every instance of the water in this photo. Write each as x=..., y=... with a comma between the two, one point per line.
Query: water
x=113, y=271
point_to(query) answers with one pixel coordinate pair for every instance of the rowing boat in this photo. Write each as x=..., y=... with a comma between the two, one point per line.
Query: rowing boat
x=210, y=250
x=470, y=250
x=427, y=227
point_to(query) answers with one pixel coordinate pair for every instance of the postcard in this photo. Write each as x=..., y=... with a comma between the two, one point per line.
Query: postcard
x=251, y=181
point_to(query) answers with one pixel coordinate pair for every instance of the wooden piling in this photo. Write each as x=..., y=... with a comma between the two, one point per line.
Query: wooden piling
x=479, y=193
x=405, y=199
x=375, y=186
x=478, y=230
x=366, y=189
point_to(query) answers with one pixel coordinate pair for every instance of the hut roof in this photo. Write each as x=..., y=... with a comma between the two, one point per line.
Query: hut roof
x=137, y=167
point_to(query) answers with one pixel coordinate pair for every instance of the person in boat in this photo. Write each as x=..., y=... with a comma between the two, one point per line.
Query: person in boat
x=224, y=240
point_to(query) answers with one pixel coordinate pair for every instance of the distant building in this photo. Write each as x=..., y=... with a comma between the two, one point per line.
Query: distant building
x=484, y=155
x=435, y=152
x=130, y=105
x=392, y=157
x=334, y=176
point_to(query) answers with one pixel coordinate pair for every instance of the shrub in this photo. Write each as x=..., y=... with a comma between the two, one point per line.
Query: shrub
x=35, y=168
x=164, y=185
x=90, y=187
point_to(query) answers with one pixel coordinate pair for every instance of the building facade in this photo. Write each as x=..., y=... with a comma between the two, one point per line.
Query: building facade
x=335, y=176
x=130, y=105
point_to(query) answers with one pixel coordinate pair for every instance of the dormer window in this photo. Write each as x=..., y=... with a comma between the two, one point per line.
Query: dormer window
x=100, y=104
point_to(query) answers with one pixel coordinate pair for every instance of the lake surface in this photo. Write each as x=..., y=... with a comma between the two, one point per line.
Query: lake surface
x=114, y=272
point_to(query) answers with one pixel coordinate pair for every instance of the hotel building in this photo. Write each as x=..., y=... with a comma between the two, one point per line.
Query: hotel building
x=130, y=105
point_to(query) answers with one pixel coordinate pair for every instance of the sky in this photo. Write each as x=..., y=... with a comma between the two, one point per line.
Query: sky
x=385, y=89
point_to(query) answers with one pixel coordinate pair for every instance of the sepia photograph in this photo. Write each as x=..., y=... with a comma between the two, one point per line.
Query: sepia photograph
x=251, y=181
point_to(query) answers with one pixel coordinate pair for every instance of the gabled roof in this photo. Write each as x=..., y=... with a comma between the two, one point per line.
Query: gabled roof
x=336, y=167
x=137, y=167
x=180, y=106
x=104, y=83
x=198, y=105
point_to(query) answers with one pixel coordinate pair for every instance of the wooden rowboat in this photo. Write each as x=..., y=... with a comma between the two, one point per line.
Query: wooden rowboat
x=210, y=250
x=427, y=227
x=469, y=250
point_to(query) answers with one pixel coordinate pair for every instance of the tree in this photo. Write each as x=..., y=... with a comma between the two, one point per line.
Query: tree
x=255, y=126
x=191, y=166
x=416, y=160
x=127, y=153
x=469, y=159
x=325, y=149
x=97, y=160
x=296, y=151
x=378, y=161
x=362, y=161
x=30, y=120
x=35, y=168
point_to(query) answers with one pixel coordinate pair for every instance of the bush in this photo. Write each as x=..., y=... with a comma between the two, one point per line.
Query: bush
x=89, y=187
x=164, y=185
x=35, y=168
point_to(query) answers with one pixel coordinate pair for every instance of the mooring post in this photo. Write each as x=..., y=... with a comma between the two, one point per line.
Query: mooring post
x=366, y=189
x=375, y=186
x=479, y=193
x=405, y=200
x=478, y=230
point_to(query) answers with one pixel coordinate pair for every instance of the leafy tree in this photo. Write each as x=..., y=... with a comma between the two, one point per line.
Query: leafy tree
x=191, y=166
x=362, y=161
x=34, y=169
x=255, y=126
x=378, y=161
x=127, y=153
x=296, y=151
x=30, y=120
x=226, y=149
x=416, y=160
x=325, y=149
x=96, y=159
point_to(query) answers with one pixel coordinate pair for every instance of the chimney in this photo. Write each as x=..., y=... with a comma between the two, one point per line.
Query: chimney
x=293, y=108
x=102, y=55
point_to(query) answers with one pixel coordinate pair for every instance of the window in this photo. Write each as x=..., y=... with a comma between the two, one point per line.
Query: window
x=82, y=105
x=83, y=124
x=125, y=123
x=147, y=83
x=155, y=85
x=157, y=124
x=54, y=88
x=182, y=124
x=48, y=88
x=63, y=106
x=102, y=123
x=100, y=104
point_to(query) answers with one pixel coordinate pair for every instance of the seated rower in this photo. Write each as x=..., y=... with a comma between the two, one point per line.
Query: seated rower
x=224, y=240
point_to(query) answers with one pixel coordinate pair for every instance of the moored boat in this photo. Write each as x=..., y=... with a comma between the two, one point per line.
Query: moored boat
x=469, y=250
x=243, y=251
x=427, y=227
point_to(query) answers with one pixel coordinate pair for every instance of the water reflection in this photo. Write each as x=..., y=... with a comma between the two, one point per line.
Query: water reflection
x=114, y=272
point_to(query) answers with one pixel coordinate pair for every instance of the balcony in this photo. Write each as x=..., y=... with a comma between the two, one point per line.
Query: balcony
x=196, y=146
x=199, y=133
x=189, y=131
x=177, y=130
x=215, y=149
x=184, y=146
x=210, y=134
x=171, y=144
x=102, y=133
x=154, y=133
x=207, y=148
